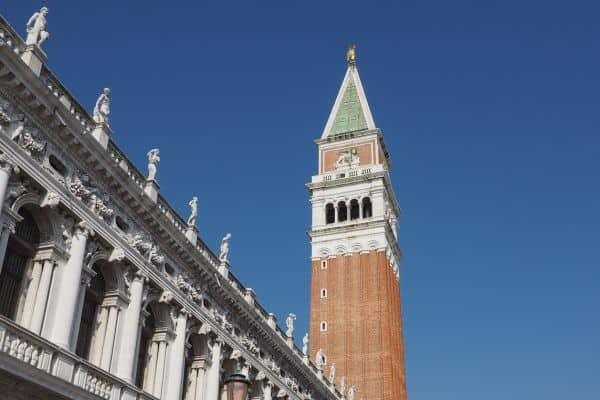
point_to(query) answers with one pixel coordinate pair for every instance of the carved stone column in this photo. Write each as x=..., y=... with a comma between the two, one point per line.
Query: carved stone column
x=34, y=282
x=161, y=359
x=41, y=298
x=197, y=379
x=104, y=347
x=70, y=278
x=129, y=333
x=267, y=388
x=7, y=228
x=155, y=371
x=177, y=358
x=84, y=283
x=6, y=168
x=214, y=372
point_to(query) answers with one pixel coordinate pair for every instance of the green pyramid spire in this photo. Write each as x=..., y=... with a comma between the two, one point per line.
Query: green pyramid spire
x=351, y=110
x=349, y=116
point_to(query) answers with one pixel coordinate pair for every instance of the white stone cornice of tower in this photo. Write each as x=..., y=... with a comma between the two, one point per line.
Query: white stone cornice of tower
x=351, y=75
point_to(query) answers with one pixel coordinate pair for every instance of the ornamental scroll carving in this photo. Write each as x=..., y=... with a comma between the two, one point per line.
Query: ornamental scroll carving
x=250, y=343
x=84, y=189
x=146, y=249
x=191, y=291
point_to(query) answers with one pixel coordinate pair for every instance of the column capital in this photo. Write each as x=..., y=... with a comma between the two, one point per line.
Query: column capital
x=83, y=229
x=8, y=225
x=200, y=362
x=134, y=274
x=7, y=165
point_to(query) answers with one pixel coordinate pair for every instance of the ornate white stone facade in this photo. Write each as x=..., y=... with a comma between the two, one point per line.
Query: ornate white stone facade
x=105, y=291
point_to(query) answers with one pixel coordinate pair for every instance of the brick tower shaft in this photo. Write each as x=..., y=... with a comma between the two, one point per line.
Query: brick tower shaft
x=355, y=316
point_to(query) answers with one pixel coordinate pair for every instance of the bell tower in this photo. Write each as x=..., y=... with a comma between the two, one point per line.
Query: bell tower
x=355, y=313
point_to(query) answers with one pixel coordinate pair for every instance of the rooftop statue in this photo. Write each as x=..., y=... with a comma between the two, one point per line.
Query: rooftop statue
x=225, y=248
x=193, y=211
x=153, y=160
x=320, y=359
x=289, y=322
x=332, y=373
x=305, y=344
x=102, y=107
x=36, y=28
x=351, y=392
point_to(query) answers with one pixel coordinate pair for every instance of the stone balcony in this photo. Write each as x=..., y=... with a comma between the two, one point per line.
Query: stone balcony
x=59, y=372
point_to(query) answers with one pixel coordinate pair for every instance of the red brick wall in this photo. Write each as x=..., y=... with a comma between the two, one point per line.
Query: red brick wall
x=364, y=335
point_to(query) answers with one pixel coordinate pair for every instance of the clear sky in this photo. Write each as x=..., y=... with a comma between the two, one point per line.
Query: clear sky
x=490, y=110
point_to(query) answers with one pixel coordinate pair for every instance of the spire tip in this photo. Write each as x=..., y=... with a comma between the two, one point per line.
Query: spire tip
x=351, y=55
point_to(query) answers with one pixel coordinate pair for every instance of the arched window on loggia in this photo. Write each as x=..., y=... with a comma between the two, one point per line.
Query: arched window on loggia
x=22, y=246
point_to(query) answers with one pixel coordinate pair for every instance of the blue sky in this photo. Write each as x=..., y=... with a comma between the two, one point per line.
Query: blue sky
x=489, y=110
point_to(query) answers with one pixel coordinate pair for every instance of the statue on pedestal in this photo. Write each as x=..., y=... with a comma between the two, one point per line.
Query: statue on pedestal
x=193, y=211
x=153, y=159
x=289, y=322
x=332, y=373
x=320, y=359
x=305, y=344
x=102, y=107
x=36, y=28
x=224, y=248
x=351, y=392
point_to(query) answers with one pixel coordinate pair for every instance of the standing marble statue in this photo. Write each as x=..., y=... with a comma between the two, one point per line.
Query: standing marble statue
x=332, y=373
x=305, y=344
x=224, y=248
x=36, y=28
x=351, y=392
x=153, y=159
x=320, y=359
x=289, y=322
x=193, y=211
x=102, y=107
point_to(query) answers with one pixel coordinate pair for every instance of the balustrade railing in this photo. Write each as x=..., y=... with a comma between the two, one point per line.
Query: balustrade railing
x=20, y=344
x=347, y=173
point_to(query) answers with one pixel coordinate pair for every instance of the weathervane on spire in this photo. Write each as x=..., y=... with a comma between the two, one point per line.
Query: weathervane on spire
x=351, y=55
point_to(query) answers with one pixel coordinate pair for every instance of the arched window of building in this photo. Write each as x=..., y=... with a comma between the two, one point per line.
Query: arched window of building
x=329, y=214
x=354, y=209
x=323, y=293
x=367, y=208
x=323, y=326
x=21, y=248
x=323, y=264
x=342, y=211
x=94, y=294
